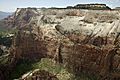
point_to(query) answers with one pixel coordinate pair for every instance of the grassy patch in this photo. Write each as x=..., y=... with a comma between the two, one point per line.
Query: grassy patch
x=44, y=64
x=56, y=69
x=50, y=66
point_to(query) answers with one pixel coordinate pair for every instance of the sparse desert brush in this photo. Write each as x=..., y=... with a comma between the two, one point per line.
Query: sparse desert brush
x=60, y=15
x=74, y=13
x=100, y=17
x=106, y=17
x=71, y=13
x=51, y=12
x=90, y=18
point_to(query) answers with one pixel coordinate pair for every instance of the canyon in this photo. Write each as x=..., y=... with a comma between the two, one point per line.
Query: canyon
x=82, y=40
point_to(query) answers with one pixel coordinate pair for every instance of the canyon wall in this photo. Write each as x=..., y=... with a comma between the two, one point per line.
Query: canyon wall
x=84, y=40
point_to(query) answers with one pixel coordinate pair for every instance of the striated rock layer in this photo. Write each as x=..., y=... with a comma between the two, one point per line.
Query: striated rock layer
x=84, y=40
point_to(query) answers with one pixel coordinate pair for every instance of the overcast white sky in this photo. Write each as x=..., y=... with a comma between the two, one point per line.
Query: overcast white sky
x=11, y=5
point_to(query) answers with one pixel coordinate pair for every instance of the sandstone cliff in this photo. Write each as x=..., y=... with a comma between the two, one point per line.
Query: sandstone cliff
x=84, y=40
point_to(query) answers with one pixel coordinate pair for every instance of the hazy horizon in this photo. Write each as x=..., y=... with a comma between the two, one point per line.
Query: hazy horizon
x=11, y=5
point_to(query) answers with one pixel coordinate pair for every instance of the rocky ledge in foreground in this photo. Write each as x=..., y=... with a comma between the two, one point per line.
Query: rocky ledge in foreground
x=38, y=75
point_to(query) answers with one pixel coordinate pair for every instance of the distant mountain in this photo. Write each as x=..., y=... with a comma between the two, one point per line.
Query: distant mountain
x=4, y=14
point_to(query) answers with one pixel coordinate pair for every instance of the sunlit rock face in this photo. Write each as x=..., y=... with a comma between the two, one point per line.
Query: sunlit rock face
x=54, y=25
x=100, y=22
x=60, y=33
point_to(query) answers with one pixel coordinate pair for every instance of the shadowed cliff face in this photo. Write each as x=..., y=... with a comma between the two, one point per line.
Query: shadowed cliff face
x=82, y=40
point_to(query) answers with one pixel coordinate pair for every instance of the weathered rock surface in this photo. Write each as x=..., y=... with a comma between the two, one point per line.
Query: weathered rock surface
x=86, y=40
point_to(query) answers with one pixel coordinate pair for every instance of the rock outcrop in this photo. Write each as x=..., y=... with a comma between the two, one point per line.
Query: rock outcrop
x=86, y=40
x=41, y=26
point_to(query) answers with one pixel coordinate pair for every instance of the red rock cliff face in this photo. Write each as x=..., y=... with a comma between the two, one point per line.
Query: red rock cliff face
x=27, y=47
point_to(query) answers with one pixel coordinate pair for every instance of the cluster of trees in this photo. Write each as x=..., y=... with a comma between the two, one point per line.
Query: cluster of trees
x=5, y=39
